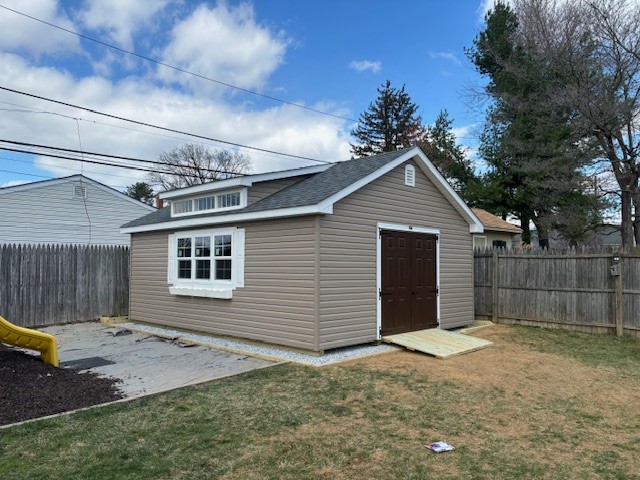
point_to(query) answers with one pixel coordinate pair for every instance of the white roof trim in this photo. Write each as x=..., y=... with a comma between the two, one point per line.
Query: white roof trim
x=244, y=181
x=326, y=206
x=231, y=218
x=72, y=179
x=475, y=225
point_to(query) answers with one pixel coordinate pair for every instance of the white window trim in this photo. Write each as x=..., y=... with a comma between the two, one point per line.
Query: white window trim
x=478, y=237
x=207, y=288
x=402, y=228
x=243, y=203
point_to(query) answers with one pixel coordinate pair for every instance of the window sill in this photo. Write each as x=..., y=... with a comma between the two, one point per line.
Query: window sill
x=220, y=292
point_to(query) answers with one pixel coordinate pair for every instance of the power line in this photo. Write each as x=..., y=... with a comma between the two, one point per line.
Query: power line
x=97, y=162
x=25, y=174
x=27, y=109
x=61, y=167
x=137, y=122
x=178, y=69
x=82, y=153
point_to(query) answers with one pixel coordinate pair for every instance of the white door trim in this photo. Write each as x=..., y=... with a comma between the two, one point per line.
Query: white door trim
x=401, y=228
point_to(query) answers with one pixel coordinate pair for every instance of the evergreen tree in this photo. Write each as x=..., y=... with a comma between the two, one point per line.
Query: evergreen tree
x=440, y=146
x=534, y=154
x=390, y=123
x=141, y=191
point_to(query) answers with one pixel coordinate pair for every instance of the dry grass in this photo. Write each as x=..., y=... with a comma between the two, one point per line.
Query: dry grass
x=536, y=405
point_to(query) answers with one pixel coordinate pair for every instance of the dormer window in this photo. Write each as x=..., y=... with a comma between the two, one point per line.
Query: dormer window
x=209, y=203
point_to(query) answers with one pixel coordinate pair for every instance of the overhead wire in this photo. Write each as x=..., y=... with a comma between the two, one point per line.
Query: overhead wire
x=62, y=167
x=97, y=162
x=178, y=69
x=27, y=109
x=167, y=129
x=107, y=155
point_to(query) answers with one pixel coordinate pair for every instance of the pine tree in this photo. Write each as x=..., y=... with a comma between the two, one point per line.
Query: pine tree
x=390, y=123
x=440, y=146
x=141, y=191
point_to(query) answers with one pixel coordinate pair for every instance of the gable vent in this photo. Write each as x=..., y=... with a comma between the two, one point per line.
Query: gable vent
x=410, y=176
x=79, y=191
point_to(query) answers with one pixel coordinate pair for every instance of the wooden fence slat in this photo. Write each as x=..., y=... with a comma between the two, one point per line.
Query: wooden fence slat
x=52, y=284
x=574, y=288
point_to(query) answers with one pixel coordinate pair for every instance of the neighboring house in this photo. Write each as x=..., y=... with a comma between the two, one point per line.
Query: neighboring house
x=69, y=210
x=498, y=233
x=315, y=258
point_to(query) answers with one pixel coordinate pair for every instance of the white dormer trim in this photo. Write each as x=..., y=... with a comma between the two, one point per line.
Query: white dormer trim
x=244, y=181
x=193, y=211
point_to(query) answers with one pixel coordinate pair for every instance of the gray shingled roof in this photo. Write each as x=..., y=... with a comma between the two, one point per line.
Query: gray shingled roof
x=310, y=191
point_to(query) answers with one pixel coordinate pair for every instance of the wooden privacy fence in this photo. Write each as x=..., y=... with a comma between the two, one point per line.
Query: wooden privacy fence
x=573, y=289
x=52, y=284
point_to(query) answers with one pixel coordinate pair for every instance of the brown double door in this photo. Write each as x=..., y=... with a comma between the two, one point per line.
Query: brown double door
x=409, y=289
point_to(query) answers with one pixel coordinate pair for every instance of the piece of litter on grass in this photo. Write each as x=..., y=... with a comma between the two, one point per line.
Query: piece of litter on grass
x=439, y=447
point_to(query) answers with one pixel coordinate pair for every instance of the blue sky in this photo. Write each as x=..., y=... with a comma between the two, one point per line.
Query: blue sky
x=329, y=55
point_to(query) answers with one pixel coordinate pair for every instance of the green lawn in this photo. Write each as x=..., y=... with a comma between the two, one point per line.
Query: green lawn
x=539, y=404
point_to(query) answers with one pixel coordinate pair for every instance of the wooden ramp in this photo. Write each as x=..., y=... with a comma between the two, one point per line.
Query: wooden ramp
x=439, y=343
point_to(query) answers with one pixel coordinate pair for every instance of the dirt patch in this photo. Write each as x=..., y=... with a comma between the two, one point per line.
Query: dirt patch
x=31, y=388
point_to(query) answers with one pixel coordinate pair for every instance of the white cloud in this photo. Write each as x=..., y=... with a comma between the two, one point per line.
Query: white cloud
x=448, y=56
x=26, y=35
x=225, y=43
x=120, y=18
x=282, y=128
x=363, y=65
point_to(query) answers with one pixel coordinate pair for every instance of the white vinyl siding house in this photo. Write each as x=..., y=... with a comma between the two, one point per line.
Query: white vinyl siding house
x=70, y=210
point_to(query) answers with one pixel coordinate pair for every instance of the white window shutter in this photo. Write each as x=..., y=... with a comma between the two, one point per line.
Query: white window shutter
x=239, y=257
x=171, y=259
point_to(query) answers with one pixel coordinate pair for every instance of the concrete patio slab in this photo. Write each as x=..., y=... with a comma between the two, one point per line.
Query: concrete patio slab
x=144, y=364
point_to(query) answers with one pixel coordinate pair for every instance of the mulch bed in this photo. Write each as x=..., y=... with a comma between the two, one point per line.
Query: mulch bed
x=31, y=388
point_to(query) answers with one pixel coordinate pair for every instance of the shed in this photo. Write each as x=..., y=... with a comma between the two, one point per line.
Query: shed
x=68, y=210
x=498, y=233
x=315, y=258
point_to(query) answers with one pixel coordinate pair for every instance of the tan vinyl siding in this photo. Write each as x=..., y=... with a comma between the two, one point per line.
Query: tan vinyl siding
x=347, y=290
x=261, y=190
x=276, y=305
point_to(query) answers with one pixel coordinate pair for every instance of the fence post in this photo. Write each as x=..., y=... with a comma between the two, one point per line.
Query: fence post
x=617, y=283
x=494, y=287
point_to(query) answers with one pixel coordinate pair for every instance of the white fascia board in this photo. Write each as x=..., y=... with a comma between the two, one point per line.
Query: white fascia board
x=475, y=225
x=43, y=183
x=72, y=179
x=244, y=181
x=368, y=179
x=110, y=190
x=231, y=218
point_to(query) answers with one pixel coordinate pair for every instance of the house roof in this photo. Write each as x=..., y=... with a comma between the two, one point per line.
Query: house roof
x=493, y=223
x=314, y=194
x=72, y=178
x=244, y=181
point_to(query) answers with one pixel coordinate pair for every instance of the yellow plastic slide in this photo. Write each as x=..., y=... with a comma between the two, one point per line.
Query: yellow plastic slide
x=32, y=339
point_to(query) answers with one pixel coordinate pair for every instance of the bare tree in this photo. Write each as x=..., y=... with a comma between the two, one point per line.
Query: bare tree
x=591, y=50
x=193, y=164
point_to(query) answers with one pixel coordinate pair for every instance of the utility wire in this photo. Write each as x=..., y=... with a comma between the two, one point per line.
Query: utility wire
x=26, y=174
x=27, y=109
x=106, y=155
x=97, y=162
x=137, y=122
x=178, y=69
